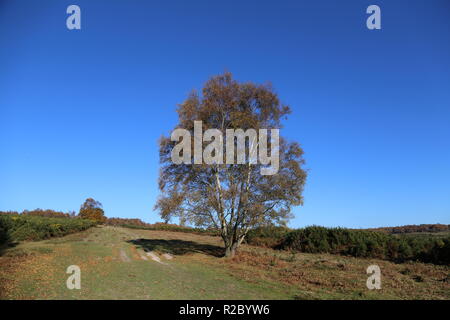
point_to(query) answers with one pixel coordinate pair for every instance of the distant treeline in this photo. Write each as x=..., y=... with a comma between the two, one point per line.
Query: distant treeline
x=429, y=228
x=139, y=224
x=124, y=221
x=42, y=213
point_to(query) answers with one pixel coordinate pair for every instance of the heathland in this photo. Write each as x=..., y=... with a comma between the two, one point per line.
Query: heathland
x=172, y=262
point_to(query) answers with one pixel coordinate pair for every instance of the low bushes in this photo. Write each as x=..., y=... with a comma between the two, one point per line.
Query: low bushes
x=270, y=236
x=423, y=228
x=41, y=213
x=139, y=224
x=369, y=244
x=117, y=222
x=25, y=227
x=172, y=227
x=357, y=243
x=4, y=236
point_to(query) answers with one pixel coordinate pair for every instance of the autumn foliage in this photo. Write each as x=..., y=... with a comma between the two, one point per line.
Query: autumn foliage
x=92, y=209
x=231, y=197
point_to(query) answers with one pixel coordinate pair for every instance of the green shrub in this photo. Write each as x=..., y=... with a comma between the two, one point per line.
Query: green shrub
x=370, y=244
x=268, y=236
x=4, y=235
x=26, y=227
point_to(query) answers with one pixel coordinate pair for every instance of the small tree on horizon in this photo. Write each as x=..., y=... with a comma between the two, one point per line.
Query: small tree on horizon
x=92, y=209
x=231, y=198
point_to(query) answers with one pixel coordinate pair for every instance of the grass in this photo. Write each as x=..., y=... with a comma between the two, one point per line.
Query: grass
x=37, y=270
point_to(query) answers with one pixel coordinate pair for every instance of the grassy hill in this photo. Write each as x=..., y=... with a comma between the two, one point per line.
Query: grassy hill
x=125, y=263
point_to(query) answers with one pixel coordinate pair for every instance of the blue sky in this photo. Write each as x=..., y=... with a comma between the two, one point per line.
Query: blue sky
x=81, y=111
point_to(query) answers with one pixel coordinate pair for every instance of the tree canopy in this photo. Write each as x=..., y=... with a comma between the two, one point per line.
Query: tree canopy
x=231, y=197
x=92, y=209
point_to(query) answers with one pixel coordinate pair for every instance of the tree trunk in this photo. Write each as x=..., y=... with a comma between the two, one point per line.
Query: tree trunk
x=230, y=249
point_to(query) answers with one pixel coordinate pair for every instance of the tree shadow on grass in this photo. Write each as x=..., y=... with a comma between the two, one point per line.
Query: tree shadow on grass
x=4, y=246
x=177, y=247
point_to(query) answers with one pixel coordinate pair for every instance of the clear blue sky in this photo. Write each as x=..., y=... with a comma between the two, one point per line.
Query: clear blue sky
x=81, y=111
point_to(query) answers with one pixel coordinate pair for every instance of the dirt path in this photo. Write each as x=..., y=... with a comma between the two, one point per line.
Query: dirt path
x=123, y=256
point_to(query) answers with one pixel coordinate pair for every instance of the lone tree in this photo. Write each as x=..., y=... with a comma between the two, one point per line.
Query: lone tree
x=230, y=197
x=92, y=209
